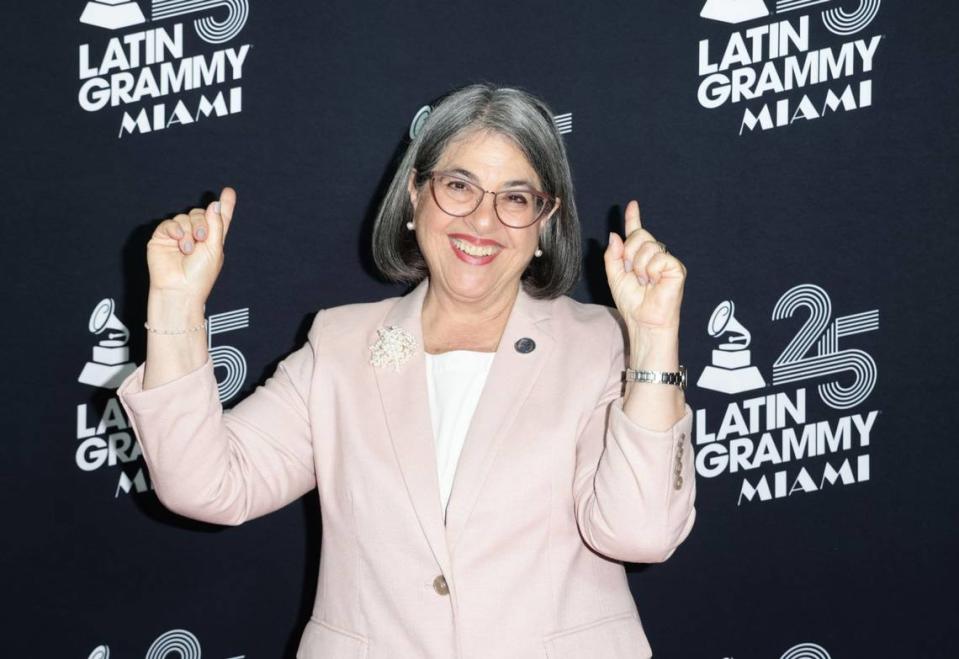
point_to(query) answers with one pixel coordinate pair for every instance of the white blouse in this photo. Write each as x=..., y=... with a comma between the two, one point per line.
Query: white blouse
x=455, y=380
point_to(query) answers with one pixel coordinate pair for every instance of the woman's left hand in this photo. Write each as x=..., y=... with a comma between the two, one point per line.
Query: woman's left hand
x=646, y=283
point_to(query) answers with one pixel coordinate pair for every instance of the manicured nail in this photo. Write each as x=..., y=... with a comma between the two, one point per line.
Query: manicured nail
x=216, y=206
x=201, y=233
x=179, y=232
x=642, y=280
x=609, y=241
x=628, y=265
x=188, y=246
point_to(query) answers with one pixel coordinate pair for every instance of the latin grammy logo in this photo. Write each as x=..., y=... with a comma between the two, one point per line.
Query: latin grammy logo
x=731, y=371
x=112, y=14
x=111, y=356
x=734, y=11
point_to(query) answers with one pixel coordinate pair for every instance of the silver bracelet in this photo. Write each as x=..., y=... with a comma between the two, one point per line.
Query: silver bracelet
x=657, y=377
x=181, y=331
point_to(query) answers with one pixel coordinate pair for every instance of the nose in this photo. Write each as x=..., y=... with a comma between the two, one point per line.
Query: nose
x=484, y=219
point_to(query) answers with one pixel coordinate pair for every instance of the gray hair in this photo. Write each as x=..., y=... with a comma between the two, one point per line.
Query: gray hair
x=513, y=113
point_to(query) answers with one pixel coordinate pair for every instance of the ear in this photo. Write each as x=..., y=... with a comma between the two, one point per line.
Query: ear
x=411, y=188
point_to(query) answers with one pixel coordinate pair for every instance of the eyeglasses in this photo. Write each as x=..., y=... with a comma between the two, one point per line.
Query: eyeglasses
x=516, y=208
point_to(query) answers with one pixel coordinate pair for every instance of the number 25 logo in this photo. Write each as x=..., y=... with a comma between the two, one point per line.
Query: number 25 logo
x=815, y=352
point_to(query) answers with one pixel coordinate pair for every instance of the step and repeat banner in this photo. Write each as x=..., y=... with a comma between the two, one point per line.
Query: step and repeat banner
x=799, y=156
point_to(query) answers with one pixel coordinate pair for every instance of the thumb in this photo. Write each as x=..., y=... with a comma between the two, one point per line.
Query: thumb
x=227, y=205
x=214, y=224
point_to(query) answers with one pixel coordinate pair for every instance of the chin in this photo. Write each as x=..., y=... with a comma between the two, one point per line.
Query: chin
x=472, y=286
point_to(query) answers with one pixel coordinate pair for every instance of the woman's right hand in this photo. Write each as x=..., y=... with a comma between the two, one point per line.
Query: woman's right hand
x=185, y=253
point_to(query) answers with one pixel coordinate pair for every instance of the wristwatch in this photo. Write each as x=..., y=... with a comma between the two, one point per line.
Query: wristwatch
x=658, y=377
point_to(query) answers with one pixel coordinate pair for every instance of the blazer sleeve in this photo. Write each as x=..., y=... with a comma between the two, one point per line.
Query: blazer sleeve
x=629, y=501
x=226, y=467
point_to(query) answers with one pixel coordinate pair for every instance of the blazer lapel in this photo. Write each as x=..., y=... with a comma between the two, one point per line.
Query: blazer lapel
x=407, y=408
x=512, y=374
x=406, y=405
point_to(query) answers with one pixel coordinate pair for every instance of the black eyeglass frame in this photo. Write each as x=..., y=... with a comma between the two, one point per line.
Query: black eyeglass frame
x=549, y=201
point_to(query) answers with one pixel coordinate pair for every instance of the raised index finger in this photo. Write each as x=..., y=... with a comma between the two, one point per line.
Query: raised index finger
x=633, y=222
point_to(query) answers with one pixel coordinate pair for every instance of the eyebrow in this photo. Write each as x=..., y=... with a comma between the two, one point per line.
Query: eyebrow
x=465, y=173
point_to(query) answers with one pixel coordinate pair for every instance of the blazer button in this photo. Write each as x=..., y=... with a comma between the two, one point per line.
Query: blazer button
x=439, y=585
x=525, y=345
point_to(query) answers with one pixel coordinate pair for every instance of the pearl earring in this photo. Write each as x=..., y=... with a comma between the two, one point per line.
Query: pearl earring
x=538, y=252
x=410, y=225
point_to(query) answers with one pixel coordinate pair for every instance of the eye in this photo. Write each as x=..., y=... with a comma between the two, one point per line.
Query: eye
x=458, y=186
x=517, y=198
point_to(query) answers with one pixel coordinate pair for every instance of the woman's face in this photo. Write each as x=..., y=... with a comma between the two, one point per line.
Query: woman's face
x=489, y=160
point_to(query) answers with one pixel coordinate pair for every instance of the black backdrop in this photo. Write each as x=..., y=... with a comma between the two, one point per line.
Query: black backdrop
x=855, y=207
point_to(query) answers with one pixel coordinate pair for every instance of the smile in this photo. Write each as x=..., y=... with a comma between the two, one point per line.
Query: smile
x=473, y=250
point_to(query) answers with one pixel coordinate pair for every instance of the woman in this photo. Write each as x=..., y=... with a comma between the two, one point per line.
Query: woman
x=485, y=369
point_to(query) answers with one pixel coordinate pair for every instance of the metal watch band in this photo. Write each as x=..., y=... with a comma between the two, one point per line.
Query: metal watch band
x=657, y=377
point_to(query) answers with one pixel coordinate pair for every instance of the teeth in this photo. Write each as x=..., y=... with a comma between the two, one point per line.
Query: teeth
x=473, y=250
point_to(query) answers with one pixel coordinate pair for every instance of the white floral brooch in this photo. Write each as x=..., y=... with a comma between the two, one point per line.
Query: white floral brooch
x=394, y=347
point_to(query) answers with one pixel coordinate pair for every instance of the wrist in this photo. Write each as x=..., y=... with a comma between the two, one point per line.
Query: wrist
x=654, y=349
x=174, y=310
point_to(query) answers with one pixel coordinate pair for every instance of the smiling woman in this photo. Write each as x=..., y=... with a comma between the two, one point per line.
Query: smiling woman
x=510, y=136
x=472, y=442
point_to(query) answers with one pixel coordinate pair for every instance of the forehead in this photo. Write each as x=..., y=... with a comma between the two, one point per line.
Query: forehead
x=490, y=156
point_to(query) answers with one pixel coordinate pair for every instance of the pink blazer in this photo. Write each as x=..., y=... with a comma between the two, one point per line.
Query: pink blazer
x=555, y=486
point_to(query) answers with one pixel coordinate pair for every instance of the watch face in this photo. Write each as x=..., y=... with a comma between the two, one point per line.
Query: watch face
x=682, y=371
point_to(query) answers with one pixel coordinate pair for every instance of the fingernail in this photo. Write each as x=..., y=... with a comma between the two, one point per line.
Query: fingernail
x=628, y=265
x=179, y=232
x=642, y=280
x=188, y=246
x=609, y=240
x=201, y=233
x=216, y=206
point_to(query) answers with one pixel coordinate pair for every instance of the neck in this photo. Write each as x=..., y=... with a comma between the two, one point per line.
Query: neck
x=450, y=323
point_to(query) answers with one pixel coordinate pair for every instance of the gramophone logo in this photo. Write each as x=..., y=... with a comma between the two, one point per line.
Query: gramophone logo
x=734, y=11
x=139, y=67
x=112, y=14
x=731, y=371
x=110, y=362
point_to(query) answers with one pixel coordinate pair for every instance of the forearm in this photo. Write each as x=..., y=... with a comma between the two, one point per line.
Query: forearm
x=654, y=406
x=170, y=356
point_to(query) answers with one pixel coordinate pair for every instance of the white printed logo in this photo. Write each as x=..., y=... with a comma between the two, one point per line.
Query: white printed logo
x=227, y=357
x=116, y=14
x=151, y=64
x=734, y=11
x=731, y=371
x=765, y=66
x=105, y=438
x=806, y=651
x=112, y=14
x=814, y=352
x=419, y=119
x=563, y=122
x=772, y=430
x=174, y=644
x=111, y=356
